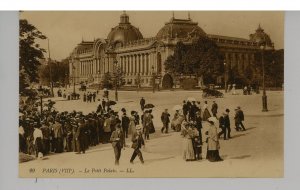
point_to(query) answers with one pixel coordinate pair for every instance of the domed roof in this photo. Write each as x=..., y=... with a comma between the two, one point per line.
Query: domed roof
x=124, y=32
x=261, y=37
x=180, y=28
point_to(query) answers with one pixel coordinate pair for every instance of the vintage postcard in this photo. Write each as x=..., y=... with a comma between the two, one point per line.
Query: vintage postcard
x=137, y=94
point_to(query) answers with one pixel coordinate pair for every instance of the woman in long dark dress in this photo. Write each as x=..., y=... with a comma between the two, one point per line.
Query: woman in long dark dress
x=206, y=113
x=213, y=144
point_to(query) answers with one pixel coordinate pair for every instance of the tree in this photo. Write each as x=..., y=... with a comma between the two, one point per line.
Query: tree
x=59, y=72
x=274, y=67
x=201, y=58
x=107, y=81
x=30, y=54
x=118, y=78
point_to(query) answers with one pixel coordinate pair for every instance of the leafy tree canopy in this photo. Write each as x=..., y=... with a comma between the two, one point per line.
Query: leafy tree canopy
x=201, y=58
x=30, y=54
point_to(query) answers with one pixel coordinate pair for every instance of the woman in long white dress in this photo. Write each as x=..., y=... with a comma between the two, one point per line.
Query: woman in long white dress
x=131, y=129
x=188, y=149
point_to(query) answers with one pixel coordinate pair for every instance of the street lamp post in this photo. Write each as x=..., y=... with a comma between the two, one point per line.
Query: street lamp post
x=153, y=79
x=50, y=70
x=264, y=96
x=225, y=79
x=73, y=73
x=50, y=73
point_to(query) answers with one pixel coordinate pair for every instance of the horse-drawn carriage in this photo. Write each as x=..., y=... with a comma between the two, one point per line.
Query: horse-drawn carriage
x=82, y=87
x=210, y=93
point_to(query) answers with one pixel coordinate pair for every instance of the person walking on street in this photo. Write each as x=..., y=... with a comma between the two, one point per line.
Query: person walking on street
x=239, y=117
x=214, y=109
x=147, y=119
x=227, y=123
x=137, y=143
x=117, y=140
x=125, y=124
x=165, y=118
x=222, y=126
x=142, y=103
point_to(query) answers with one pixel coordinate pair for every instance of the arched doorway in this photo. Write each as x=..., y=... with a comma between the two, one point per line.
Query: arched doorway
x=167, y=82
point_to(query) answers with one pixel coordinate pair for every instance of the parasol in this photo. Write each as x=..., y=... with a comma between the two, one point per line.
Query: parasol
x=177, y=107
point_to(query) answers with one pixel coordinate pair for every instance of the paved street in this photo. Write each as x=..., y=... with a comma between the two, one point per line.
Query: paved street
x=256, y=152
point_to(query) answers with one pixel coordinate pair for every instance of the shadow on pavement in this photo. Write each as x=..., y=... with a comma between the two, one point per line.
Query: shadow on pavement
x=250, y=128
x=148, y=161
x=238, y=135
x=240, y=157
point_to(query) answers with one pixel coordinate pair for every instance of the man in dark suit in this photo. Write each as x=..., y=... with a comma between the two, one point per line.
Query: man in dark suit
x=142, y=103
x=192, y=112
x=117, y=140
x=103, y=104
x=137, y=143
x=80, y=137
x=239, y=117
x=165, y=118
x=214, y=109
x=58, y=135
x=125, y=124
x=227, y=123
x=222, y=126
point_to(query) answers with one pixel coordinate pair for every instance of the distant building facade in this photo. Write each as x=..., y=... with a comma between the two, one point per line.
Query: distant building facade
x=143, y=58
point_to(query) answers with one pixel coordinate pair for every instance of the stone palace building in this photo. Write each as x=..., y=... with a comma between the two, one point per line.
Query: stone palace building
x=143, y=58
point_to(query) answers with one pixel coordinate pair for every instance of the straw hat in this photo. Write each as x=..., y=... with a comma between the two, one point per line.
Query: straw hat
x=138, y=127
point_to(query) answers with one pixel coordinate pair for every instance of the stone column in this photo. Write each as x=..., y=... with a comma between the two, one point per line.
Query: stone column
x=134, y=64
x=147, y=64
x=143, y=64
x=138, y=64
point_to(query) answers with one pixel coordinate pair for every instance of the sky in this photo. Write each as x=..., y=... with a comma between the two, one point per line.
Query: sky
x=65, y=29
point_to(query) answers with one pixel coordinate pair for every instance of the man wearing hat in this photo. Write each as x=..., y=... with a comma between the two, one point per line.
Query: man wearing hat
x=125, y=124
x=214, y=109
x=46, y=136
x=222, y=126
x=142, y=103
x=137, y=142
x=227, y=123
x=80, y=137
x=165, y=119
x=58, y=135
x=38, y=139
x=117, y=140
x=239, y=117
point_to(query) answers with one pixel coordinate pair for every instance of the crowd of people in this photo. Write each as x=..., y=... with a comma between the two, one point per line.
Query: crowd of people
x=89, y=97
x=188, y=119
x=56, y=132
